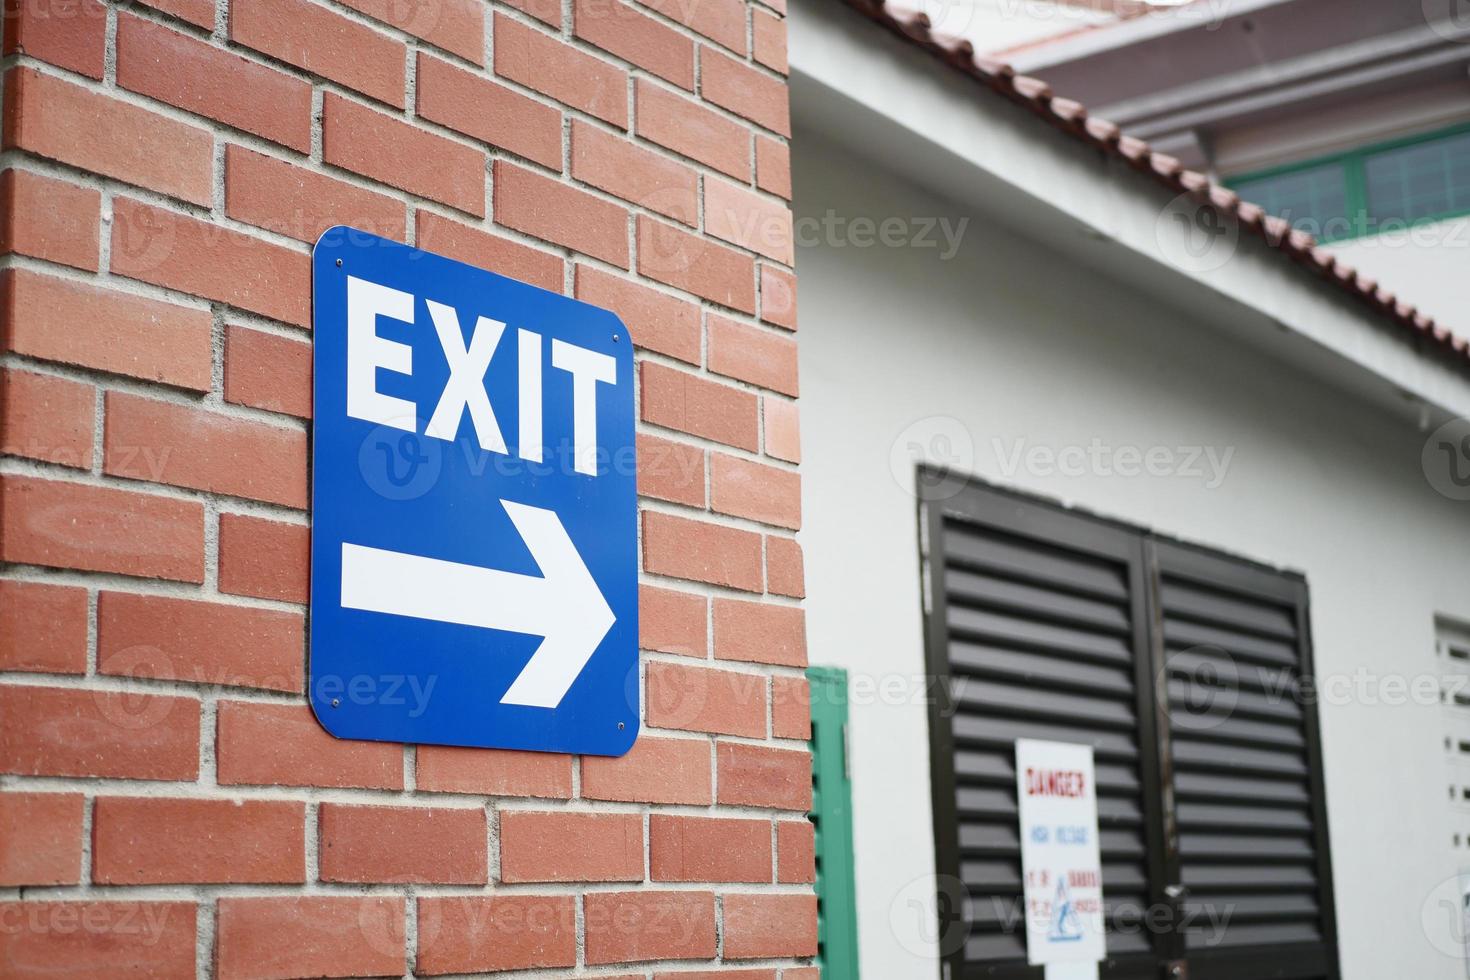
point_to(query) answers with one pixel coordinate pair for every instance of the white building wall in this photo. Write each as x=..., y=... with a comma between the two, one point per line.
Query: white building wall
x=1428, y=264
x=1006, y=345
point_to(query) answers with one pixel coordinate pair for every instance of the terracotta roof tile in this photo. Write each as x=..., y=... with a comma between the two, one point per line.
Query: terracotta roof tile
x=1071, y=117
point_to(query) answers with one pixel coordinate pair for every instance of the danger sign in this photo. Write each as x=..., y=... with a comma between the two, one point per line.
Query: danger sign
x=1061, y=864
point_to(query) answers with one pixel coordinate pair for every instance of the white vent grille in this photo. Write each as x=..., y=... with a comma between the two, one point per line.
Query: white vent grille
x=1453, y=659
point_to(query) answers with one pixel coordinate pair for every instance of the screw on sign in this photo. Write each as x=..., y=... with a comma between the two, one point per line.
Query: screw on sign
x=470, y=528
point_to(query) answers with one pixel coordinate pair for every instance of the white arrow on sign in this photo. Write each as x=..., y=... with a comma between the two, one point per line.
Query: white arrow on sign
x=563, y=604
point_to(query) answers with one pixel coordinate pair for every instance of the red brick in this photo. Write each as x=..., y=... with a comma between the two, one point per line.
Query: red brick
x=773, y=166
x=99, y=529
x=193, y=256
x=755, y=775
x=40, y=839
x=323, y=42
x=630, y=927
x=686, y=261
x=43, y=628
x=264, y=559
x=457, y=26
x=475, y=247
x=49, y=219
x=56, y=119
x=284, y=745
x=402, y=844
x=778, y=297
x=746, y=353
x=742, y=488
x=655, y=770
x=546, y=11
x=750, y=220
x=489, y=112
x=493, y=772
x=759, y=632
x=708, y=849
x=489, y=933
x=301, y=936
x=399, y=154
x=570, y=846
x=554, y=68
x=559, y=213
x=199, y=642
x=785, y=572
x=701, y=552
x=657, y=321
x=47, y=418
x=720, y=975
x=620, y=29
x=679, y=400
x=770, y=925
x=705, y=700
x=47, y=940
x=802, y=973
x=69, y=34
x=47, y=731
x=56, y=320
x=791, y=708
x=745, y=91
x=795, y=852
x=782, y=429
x=278, y=196
x=633, y=173
x=722, y=21
x=686, y=127
x=669, y=470
x=197, y=12
x=147, y=841
x=187, y=447
x=672, y=622
x=267, y=371
x=769, y=35
x=209, y=81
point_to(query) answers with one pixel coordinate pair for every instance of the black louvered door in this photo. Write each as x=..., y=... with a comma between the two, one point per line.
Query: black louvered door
x=1243, y=745
x=1183, y=671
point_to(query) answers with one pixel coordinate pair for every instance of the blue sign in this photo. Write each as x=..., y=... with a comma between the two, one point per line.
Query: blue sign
x=474, y=556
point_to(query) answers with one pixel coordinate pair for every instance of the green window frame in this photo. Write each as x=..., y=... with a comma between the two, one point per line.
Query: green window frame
x=831, y=814
x=1352, y=169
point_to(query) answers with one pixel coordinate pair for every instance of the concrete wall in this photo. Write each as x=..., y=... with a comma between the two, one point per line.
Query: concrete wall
x=1427, y=264
x=1005, y=342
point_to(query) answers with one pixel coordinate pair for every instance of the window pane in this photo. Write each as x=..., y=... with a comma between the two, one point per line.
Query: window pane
x=1420, y=181
x=1313, y=200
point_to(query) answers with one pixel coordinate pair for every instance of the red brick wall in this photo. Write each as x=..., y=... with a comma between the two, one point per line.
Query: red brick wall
x=168, y=805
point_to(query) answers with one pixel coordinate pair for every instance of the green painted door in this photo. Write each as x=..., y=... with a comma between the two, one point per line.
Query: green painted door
x=832, y=816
